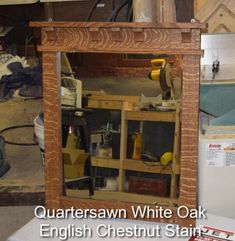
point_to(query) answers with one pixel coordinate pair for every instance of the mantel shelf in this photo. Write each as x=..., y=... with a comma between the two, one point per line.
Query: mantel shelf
x=65, y=24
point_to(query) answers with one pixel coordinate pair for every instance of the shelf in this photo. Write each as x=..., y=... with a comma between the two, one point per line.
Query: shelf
x=105, y=162
x=113, y=102
x=134, y=165
x=150, y=116
x=150, y=167
x=123, y=197
x=104, y=104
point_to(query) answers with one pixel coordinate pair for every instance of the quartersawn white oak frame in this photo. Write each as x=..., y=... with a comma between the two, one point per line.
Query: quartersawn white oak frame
x=138, y=38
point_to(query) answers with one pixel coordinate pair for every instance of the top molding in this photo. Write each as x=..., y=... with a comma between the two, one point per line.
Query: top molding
x=117, y=24
x=121, y=37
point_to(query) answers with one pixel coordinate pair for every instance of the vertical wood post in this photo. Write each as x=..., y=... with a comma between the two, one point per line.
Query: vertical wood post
x=189, y=132
x=123, y=147
x=175, y=161
x=52, y=128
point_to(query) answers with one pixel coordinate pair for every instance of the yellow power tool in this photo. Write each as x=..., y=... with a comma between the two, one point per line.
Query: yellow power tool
x=162, y=72
x=157, y=65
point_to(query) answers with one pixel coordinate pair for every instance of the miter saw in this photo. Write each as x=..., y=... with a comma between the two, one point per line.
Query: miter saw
x=166, y=100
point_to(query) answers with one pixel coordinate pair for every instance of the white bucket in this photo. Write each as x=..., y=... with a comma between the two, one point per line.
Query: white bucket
x=39, y=133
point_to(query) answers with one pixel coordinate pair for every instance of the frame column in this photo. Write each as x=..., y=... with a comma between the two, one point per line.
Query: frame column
x=189, y=131
x=52, y=128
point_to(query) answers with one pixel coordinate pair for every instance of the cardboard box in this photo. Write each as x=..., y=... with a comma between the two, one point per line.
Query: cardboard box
x=74, y=159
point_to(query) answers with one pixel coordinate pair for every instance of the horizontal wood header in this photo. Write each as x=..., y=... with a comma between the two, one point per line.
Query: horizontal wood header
x=117, y=24
x=123, y=38
x=120, y=51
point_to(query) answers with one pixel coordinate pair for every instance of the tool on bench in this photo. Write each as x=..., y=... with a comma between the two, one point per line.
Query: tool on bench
x=166, y=100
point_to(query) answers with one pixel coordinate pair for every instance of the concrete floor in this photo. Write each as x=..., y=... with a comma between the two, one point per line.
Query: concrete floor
x=26, y=166
x=13, y=218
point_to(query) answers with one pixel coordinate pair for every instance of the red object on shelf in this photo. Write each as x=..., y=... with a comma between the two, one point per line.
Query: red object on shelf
x=149, y=186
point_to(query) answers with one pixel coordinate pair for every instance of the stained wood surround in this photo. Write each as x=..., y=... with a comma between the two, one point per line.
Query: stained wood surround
x=110, y=37
x=139, y=38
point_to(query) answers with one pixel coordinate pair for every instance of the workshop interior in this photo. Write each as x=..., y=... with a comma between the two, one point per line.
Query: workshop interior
x=123, y=129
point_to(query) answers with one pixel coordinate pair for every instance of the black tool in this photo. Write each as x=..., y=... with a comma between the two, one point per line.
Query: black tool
x=215, y=68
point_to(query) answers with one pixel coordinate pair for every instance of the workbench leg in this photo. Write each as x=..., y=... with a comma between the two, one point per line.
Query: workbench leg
x=189, y=132
x=123, y=146
x=52, y=128
x=175, y=161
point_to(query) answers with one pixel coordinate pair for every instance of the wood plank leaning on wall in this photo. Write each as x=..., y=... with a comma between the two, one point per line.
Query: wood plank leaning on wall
x=166, y=11
x=218, y=14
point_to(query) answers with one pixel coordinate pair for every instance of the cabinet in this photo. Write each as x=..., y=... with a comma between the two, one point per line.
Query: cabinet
x=139, y=38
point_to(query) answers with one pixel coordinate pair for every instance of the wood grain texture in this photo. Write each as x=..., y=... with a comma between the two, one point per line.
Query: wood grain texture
x=52, y=125
x=136, y=37
x=146, y=41
x=165, y=11
x=117, y=25
x=76, y=37
x=155, y=51
x=218, y=14
x=198, y=4
x=150, y=116
x=189, y=131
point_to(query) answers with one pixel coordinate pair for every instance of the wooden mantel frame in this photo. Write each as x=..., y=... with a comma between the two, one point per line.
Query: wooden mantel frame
x=107, y=37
